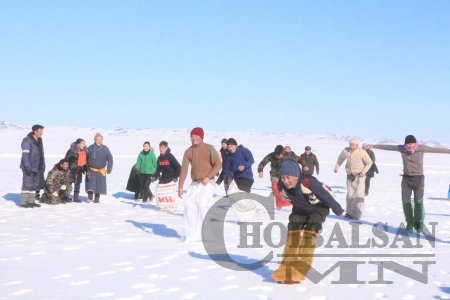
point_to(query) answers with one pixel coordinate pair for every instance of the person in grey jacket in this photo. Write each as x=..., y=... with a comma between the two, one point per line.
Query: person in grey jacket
x=413, y=179
x=100, y=162
x=33, y=167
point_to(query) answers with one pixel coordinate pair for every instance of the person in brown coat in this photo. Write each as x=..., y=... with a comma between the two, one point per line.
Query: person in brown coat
x=205, y=163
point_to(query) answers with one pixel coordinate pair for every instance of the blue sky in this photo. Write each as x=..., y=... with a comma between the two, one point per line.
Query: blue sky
x=366, y=68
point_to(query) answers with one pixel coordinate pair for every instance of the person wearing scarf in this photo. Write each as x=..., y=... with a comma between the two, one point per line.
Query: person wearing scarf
x=413, y=179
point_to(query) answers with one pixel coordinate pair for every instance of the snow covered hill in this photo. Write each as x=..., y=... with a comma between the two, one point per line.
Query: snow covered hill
x=123, y=249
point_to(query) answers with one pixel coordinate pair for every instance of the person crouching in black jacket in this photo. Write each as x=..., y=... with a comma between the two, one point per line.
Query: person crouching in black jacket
x=311, y=204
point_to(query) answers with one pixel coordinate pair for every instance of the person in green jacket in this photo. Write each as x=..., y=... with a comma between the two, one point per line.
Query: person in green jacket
x=146, y=165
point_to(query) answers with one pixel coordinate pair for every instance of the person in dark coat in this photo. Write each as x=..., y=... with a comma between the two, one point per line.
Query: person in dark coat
x=311, y=205
x=373, y=169
x=309, y=161
x=223, y=155
x=100, y=162
x=33, y=167
x=238, y=166
x=77, y=158
x=168, y=168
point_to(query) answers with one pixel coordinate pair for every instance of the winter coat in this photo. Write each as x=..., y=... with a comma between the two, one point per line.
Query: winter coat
x=168, y=168
x=134, y=183
x=146, y=163
x=76, y=171
x=274, y=165
x=412, y=162
x=242, y=157
x=301, y=203
x=32, y=163
x=56, y=178
x=358, y=161
x=98, y=157
x=311, y=162
x=223, y=155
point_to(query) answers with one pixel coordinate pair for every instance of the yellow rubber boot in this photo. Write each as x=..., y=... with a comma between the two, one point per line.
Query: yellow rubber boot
x=287, y=271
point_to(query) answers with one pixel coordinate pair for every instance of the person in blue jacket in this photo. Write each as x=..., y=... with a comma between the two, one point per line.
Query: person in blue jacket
x=33, y=167
x=238, y=166
x=311, y=205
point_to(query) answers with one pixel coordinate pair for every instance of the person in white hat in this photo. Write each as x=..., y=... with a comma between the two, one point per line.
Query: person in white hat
x=358, y=163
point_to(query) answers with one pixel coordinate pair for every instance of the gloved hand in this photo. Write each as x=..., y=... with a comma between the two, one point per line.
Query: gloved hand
x=336, y=169
x=63, y=187
x=108, y=172
x=55, y=194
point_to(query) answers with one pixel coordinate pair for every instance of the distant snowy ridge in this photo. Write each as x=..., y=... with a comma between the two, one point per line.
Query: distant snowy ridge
x=172, y=132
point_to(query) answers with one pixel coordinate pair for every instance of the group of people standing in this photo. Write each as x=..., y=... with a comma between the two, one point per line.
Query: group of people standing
x=94, y=162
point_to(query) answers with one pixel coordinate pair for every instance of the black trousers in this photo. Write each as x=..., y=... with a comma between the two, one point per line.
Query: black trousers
x=244, y=184
x=311, y=222
x=146, y=180
x=368, y=178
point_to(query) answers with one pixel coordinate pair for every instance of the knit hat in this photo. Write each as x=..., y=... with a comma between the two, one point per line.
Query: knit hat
x=410, y=139
x=198, y=131
x=308, y=148
x=289, y=167
x=231, y=141
x=36, y=127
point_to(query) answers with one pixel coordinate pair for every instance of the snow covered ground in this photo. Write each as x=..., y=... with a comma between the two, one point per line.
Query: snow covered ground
x=122, y=249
